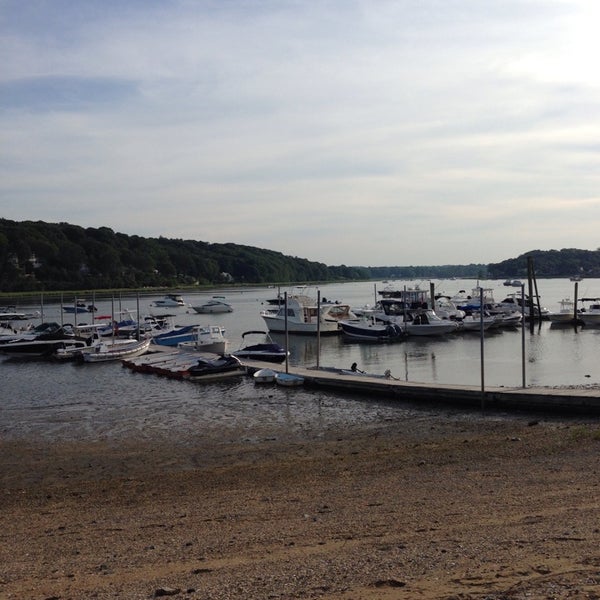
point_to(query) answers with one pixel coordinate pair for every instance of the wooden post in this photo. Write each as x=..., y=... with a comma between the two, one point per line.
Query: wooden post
x=530, y=288
x=523, y=379
x=318, y=326
x=432, y=294
x=481, y=348
x=287, y=340
x=575, y=315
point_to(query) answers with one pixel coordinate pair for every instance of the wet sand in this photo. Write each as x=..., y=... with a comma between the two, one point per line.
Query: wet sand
x=431, y=508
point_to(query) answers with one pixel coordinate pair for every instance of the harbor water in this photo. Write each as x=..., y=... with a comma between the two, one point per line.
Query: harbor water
x=52, y=400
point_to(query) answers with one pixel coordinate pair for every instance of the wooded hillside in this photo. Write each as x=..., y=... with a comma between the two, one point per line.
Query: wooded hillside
x=35, y=255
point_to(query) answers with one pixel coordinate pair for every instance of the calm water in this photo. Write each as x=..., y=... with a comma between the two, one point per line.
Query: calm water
x=67, y=401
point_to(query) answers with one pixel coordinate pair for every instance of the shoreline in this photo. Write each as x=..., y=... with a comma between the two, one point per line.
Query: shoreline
x=427, y=506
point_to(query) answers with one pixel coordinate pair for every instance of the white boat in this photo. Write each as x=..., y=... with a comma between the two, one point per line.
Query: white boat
x=208, y=339
x=426, y=322
x=515, y=302
x=289, y=380
x=417, y=321
x=446, y=309
x=169, y=305
x=305, y=317
x=117, y=349
x=565, y=314
x=473, y=322
x=213, y=306
x=169, y=301
x=590, y=315
x=264, y=376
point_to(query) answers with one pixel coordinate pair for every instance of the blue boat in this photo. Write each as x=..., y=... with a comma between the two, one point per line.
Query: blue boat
x=177, y=335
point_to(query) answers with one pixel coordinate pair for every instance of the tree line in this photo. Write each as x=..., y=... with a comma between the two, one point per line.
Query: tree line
x=35, y=255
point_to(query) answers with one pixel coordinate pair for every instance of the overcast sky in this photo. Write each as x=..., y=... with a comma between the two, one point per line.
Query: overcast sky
x=350, y=132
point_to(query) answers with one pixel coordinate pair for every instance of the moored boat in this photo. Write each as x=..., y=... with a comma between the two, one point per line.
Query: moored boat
x=267, y=351
x=207, y=339
x=215, y=305
x=211, y=369
x=117, y=349
x=369, y=330
x=305, y=317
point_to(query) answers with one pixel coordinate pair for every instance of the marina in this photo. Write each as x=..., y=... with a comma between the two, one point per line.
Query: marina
x=51, y=398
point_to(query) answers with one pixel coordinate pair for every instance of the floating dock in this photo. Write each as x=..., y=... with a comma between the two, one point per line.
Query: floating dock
x=584, y=400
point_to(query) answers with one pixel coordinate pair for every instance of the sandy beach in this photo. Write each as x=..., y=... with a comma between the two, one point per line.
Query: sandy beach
x=454, y=508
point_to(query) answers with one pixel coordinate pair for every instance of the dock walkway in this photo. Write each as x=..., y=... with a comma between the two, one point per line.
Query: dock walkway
x=584, y=400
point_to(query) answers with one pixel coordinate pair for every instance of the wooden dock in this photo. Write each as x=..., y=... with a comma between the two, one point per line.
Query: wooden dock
x=540, y=399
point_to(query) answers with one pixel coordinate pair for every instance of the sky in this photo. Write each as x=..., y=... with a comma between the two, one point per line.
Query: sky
x=356, y=132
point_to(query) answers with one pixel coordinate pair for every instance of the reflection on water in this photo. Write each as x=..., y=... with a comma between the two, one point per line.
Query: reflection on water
x=105, y=400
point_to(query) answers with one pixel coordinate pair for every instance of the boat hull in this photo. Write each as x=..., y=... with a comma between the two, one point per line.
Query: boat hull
x=118, y=351
x=365, y=332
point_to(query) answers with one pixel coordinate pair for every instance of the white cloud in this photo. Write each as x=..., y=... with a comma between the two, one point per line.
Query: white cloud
x=346, y=132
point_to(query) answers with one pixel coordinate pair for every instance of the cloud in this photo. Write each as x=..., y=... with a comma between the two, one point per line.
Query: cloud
x=345, y=132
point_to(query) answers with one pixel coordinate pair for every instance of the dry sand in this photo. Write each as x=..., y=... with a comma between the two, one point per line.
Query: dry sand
x=495, y=508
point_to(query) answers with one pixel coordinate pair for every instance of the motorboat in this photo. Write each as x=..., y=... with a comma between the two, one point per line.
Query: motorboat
x=213, y=306
x=168, y=306
x=420, y=321
x=211, y=369
x=371, y=330
x=426, y=322
x=446, y=309
x=475, y=321
x=169, y=301
x=117, y=349
x=9, y=314
x=305, y=317
x=520, y=302
x=590, y=315
x=79, y=306
x=40, y=341
x=566, y=314
x=266, y=351
x=175, y=335
x=207, y=339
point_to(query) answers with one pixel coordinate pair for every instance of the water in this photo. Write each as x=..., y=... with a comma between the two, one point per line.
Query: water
x=51, y=400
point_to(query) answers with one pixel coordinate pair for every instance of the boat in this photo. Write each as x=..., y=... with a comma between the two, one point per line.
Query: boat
x=267, y=351
x=370, y=330
x=446, y=309
x=264, y=376
x=211, y=369
x=590, y=315
x=289, y=380
x=305, y=317
x=40, y=341
x=213, y=306
x=168, y=306
x=175, y=336
x=474, y=322
x=170, y=301
x=207, y=339
x=9, y=314
x=519, y=302
x=566, y=314
x=117, y=349
x=79, y=306
x=513, y=283
x=414, y=321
